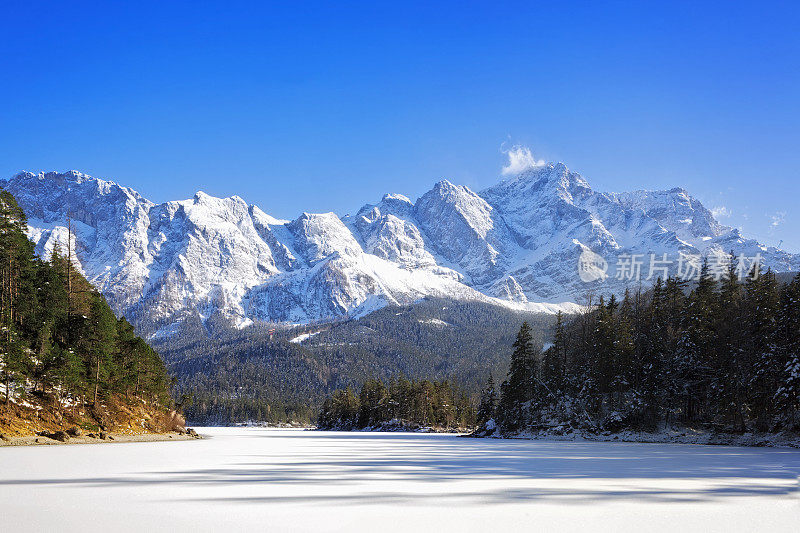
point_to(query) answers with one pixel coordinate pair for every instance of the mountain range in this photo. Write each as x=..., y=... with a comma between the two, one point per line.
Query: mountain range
x=516, y=244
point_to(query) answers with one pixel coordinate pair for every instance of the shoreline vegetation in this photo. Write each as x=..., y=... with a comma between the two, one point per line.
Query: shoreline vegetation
x=719, y=364
x=402, y=405
x=44, y=421
x=69, y=368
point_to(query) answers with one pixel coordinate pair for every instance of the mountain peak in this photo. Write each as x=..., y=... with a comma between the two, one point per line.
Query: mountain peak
x=539, y=185
x=447, y=189
x=395, y=197
x=444, y=185
x=234, y=202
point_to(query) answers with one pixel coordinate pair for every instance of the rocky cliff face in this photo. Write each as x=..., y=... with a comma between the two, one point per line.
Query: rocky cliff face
x=513, y=244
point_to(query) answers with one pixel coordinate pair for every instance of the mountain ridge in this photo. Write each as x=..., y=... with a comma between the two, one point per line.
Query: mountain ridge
x=515, y=244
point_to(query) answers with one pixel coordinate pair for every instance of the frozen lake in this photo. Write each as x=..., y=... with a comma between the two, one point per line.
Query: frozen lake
x=291, y=480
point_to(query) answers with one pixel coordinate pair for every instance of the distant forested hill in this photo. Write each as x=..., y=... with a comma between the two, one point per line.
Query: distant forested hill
x=241, y=375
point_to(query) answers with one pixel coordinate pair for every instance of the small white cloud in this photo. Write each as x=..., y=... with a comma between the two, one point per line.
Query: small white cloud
x=520, y=159
x=778, y=218
x=721, y=212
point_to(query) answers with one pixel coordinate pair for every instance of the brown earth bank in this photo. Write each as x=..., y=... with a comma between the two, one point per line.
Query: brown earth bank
x=44, y=420
x=97, y=439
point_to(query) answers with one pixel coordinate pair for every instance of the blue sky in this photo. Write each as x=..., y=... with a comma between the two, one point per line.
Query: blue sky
x=324, y=107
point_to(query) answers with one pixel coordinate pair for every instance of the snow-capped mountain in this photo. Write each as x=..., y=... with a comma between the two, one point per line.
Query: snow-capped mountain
x=514, y=244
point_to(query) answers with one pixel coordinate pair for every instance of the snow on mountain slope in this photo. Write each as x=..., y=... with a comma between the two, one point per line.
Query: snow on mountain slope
x=465, y=230
x=555, y=215
x=354, y=284
x=514, y=244
x=388, y=230
x=676, y=211
x=207, y=256
x=320, y=236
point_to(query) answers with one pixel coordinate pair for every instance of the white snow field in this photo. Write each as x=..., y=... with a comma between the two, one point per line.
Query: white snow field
x=294, y=480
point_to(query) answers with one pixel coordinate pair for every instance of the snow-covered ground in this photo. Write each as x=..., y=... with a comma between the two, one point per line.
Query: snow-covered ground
x=303, y=337
x=295, y=480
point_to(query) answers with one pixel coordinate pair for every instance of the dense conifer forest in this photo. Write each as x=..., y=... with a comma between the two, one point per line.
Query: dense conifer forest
x=400, y=405
x=59, y=338
x=722, y=357
x=250, y=375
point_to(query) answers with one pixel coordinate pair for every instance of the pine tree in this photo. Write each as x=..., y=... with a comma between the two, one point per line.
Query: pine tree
x=373, y=401
x=554, y=364
x=787, y=395
x=518, y=389
x=695, y=352
x=652, y=332
x=101, y=337
x=16, y=256
x=728, y=381
x=761, y=368
x=127, y=362
x=488, y=402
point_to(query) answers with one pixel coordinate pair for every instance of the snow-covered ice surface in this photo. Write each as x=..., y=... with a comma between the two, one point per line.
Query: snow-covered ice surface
x=294, y=480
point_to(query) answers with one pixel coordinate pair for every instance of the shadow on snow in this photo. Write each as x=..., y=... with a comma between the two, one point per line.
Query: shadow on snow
x=413, y=458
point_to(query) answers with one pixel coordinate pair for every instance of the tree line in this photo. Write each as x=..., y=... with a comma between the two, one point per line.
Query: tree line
x=58, y=335
x=723, y=356
x=402, y=404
